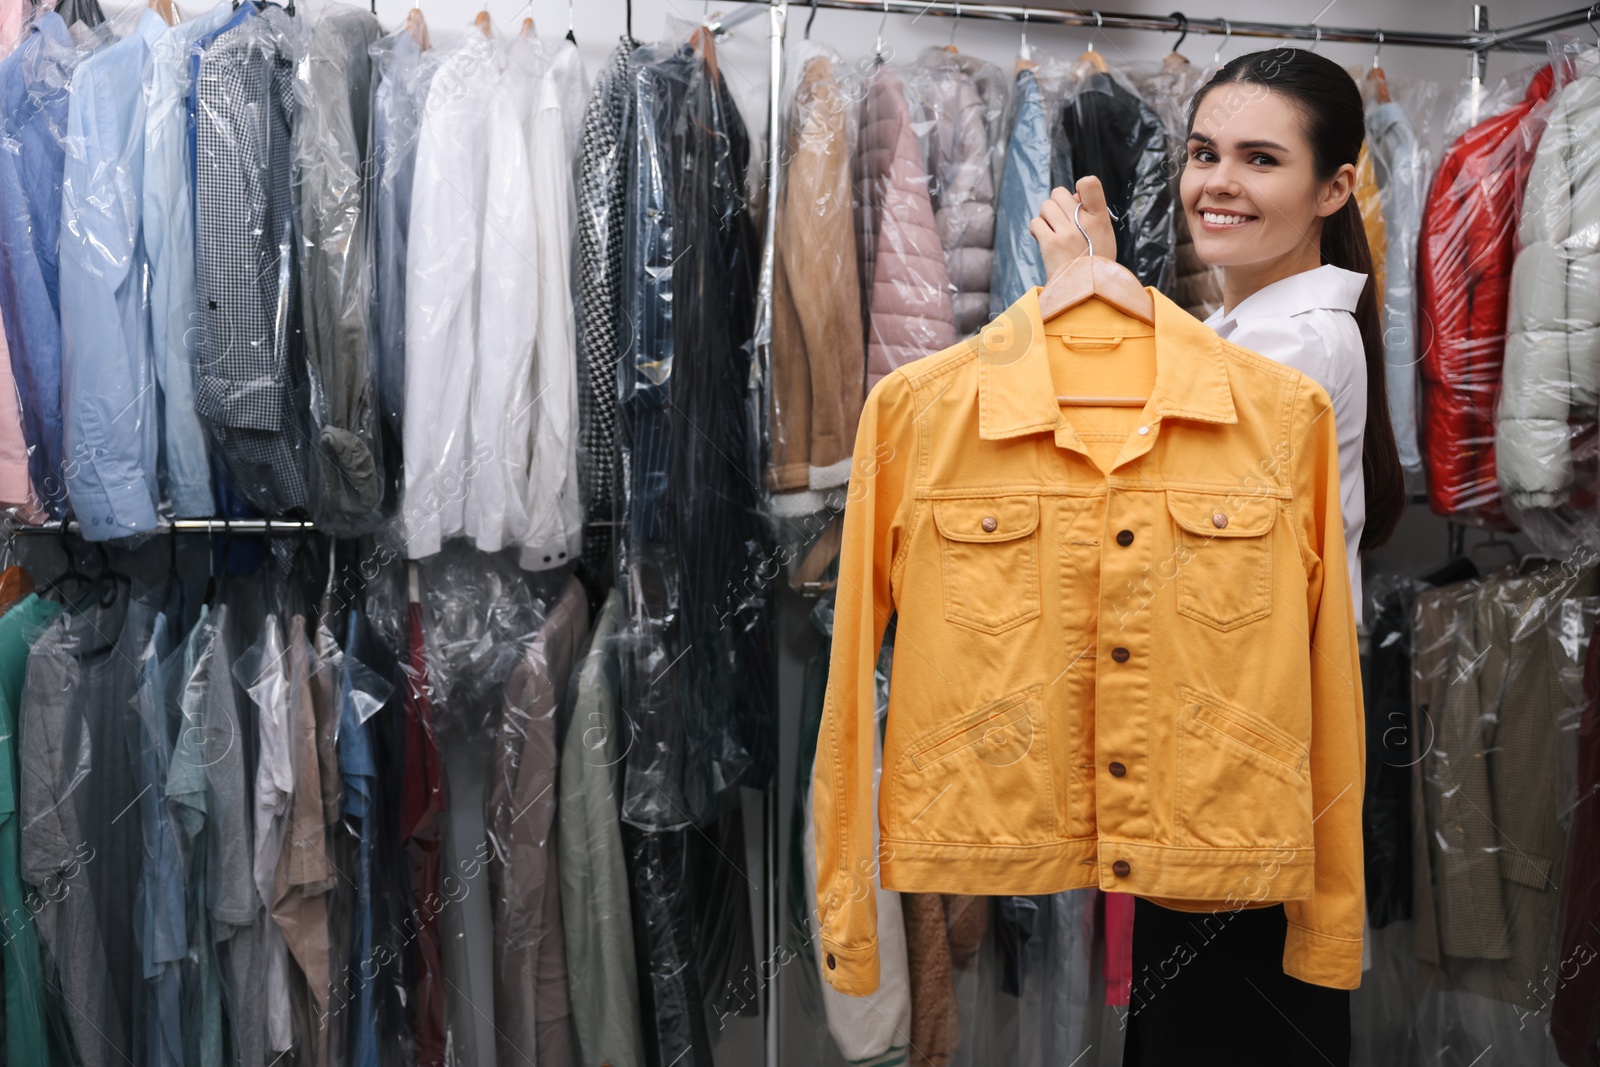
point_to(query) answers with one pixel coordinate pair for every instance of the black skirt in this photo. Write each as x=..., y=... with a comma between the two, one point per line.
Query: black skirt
x=1210, y=989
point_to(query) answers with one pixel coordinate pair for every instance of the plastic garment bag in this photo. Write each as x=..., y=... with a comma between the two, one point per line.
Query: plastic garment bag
x=34, y=99
x=1464, y=261
x=1547, y=427
x=601, y=194
x=1398, y=137
x=965, y=100
x=1024, y=186
x=532, y=1008
x=697, y=656
x=1107, y=131
x=904, y=279
x=332, y=156
x=817, y=368
x=249, y=364
x=108, y=396
x=402, y=69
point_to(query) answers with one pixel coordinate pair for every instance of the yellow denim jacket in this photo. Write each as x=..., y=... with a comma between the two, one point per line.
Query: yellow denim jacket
x=1125, y=652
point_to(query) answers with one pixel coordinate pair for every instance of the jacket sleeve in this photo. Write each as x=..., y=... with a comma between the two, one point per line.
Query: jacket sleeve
x=1323, y=945
x=876, y=522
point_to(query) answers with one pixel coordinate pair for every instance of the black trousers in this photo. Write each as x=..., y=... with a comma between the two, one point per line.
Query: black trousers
x=1210, y=989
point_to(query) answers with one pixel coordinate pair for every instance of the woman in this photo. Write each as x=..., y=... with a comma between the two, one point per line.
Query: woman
x=1266, y=186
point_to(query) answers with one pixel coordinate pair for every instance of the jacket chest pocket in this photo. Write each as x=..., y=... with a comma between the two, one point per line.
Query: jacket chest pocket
x=989, y=560
x=1224, y=556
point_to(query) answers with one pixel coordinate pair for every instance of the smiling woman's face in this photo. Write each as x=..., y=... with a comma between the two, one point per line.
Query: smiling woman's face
x=1249, y=186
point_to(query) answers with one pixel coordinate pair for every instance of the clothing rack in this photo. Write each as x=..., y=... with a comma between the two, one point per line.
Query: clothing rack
x=246, y=527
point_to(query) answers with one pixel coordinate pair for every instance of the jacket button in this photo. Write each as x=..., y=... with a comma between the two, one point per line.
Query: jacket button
x=1117, y=770
x=1125, y=538
x=990, y=524
x=832, y=963
x=1219, y=520
x=1119, y=654
x=1121, y=868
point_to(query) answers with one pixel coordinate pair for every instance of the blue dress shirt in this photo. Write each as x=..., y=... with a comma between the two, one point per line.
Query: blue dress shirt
x=108, y=392
x=33, y=118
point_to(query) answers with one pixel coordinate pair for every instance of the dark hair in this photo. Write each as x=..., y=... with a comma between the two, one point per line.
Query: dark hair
x=1331, y=103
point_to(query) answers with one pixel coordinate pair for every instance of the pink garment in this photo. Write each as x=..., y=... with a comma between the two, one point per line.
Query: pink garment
x=908, y=309
x=10, y=34
x=1119, y=948
x=16, y=491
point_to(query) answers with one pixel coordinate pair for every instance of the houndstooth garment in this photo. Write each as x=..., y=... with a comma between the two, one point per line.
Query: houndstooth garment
x=602, y=187
x=249, y=342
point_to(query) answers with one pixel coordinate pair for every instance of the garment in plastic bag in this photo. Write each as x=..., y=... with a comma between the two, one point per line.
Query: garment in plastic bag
x=443, y=241
x=403, y=68
x=1546, y=446
x=1106, y=130
x=1196, y=287
x=1464, y=261
x=33, y=121
x=1398, y=136
x=79, y=745
x=532, y=1009
x=478, y=614
x=904, y=280
x=602, y=191
x=695, y=555
x=664, y=936
x=1575, y=1008
x=964, y=99
x=332, y=156
x=878, y=1025
x=596, y=915
x=1024, y=186
x=817, y=361
x=250, y=363
x=1491, y=691
x=108, y=396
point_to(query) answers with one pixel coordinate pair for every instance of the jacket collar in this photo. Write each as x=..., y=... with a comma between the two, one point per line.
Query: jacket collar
x=1326, y=286
x=1017, y=396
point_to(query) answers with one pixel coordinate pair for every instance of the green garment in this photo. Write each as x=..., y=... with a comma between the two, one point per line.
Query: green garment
x=24, y=989
x=594, y=878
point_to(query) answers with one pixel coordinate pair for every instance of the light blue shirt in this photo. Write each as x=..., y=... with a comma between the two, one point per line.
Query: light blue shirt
x=1402, y=172
x=110, y=433
x=33, y=111
x=169, y=247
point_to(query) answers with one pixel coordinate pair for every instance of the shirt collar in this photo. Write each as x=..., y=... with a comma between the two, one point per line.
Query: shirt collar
x=1327, y=286
x=1016, y=394
x=53, y=28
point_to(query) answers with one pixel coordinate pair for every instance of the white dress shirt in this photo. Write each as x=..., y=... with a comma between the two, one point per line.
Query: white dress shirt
x=555, y=517
x=1306, y=321
x=442, y=302
x=509, y=309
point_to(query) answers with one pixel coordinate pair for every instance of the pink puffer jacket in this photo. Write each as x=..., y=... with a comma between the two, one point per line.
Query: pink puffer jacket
x=903, y=275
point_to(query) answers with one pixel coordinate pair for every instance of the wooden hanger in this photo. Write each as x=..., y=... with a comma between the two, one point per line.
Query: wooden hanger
x=1091, y=57
x=1092, y=277
x=417, y=27
x=1376, y=77
x=481, y=20
x=527, y=28
x=167, y=11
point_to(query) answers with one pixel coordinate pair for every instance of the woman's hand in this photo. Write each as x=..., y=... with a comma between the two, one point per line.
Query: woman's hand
x=1059, y=240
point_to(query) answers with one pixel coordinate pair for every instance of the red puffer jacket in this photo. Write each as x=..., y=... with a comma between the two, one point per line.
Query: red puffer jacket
x=1464, y=256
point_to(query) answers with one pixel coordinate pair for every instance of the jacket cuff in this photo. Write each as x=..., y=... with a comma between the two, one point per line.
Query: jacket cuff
x=191, y=501
x=852, y=971
x=1322, y=959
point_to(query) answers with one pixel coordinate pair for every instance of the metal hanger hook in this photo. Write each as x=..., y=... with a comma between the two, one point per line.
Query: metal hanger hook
x=954, y=23
x=1588, y=16
x=1097, y=24
x=877, y=50
x=1318, y=41
x=1227, y=33
x=1183, y=29
x=1081, y=230
x=811, y=18
x=1377, y=52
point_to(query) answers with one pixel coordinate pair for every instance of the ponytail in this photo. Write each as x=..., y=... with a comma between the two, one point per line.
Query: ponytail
x=1344, y=244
